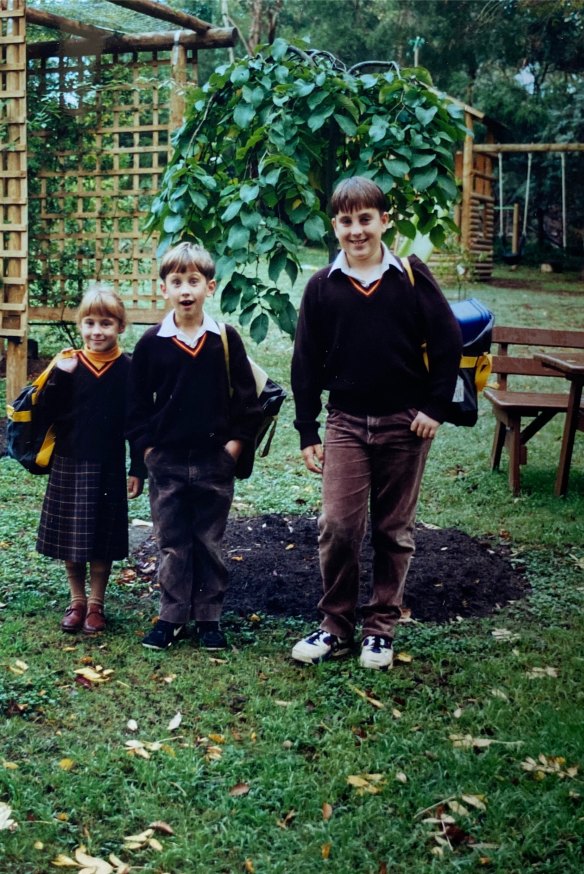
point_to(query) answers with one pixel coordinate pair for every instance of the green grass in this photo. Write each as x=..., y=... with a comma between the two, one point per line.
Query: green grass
x=290, y=737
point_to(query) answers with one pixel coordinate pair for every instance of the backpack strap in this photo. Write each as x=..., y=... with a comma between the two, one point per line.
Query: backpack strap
x=408, y=268
x=223, y=332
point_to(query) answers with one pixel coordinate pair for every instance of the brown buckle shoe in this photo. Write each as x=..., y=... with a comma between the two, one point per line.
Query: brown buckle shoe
x=95, y=620
x=74, y=617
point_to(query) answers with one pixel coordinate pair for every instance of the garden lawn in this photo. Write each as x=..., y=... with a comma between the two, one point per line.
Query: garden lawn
x=468, y=755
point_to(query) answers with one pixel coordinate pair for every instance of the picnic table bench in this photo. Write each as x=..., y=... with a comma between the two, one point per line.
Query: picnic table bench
x=540, y=406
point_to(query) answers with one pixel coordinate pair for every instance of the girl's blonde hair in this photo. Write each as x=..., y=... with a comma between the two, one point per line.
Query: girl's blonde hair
x=99, y=300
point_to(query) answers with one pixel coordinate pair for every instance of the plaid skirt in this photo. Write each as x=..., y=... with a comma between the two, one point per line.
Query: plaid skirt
x=85, y=512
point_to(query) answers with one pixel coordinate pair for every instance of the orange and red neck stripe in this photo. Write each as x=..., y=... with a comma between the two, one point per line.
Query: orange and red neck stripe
x=99, y=362
x=193, y=351
x=361, y=289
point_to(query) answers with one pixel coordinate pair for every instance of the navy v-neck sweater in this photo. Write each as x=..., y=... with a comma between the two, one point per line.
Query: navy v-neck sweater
x=364, y=345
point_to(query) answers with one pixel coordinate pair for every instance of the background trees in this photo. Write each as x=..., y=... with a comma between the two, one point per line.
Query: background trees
x=520, y=61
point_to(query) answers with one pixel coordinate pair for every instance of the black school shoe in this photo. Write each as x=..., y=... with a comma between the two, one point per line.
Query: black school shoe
x=164, y=635
x=210, y=636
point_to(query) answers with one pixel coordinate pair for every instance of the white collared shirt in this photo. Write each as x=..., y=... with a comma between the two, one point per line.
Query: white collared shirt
x=388, y=260
x=169, y=328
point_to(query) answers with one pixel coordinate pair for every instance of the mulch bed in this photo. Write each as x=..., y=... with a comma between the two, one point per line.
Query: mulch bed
x=273, y=565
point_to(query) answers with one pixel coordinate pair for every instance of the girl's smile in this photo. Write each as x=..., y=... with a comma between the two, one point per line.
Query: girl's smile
x=100, y=333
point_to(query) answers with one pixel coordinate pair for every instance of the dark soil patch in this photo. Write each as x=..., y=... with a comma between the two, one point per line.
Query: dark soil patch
x=273, y=565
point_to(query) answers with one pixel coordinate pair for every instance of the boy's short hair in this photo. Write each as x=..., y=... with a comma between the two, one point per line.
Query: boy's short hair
x=358, y=192
x=100, y=300
x=185, y=256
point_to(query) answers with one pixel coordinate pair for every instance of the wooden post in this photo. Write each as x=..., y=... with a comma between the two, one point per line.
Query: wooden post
x=467, y=185
x=515, y=237
x=13, y=196
x=179, y=78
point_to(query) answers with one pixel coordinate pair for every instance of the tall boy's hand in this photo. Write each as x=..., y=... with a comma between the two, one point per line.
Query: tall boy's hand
x=234, y=448
x=314, y=457
x=424, y=426
x=135, y=486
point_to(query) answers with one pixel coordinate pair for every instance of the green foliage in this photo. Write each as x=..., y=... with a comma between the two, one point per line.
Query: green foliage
x=264, y=142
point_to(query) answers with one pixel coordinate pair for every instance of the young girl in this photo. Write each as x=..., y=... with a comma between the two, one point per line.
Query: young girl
x=84, y=517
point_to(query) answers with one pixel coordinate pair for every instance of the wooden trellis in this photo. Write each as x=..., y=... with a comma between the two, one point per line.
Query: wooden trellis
x=13, y=180
x=88, y=205
x=118, y=97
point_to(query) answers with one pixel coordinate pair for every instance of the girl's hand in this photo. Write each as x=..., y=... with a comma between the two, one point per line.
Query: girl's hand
x=135, y=486
x=67, y=364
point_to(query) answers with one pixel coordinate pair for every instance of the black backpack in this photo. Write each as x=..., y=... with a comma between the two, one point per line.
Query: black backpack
x=30, y=436
x=271, y=397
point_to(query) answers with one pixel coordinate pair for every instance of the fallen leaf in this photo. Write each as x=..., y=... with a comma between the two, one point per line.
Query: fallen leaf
x=63, y=861
x=403, y=658
x=504, y=634
x=217, y=738
x=284, y=823
x=132, y=725
x=458, y=808
x=373, y=701
x=10, y=766
x=290, y=546
x=138, y=842
x=95, y=675
x=93, y=864
x=498, y=693
x=175, y=722
x=67, y=764
x=162, y=827
x=371, y=783
x=121, y=867
x=38, y=845
x=239, y=789
x=155, y=844
x=213, y=754
x=549, y=765
x=467, y=742
x=255, y=618
x=248, y=865
x=325, y=850
x=18, y=667
x=6, y=821
x=327, y=811
x=538, y=673
x=401, y=777
x=475, y=801
x=137, y=748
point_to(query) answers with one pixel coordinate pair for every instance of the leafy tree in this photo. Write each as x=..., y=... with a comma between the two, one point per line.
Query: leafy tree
x=263, y=144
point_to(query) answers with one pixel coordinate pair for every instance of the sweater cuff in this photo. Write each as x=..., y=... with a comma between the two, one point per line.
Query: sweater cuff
x=309, y=437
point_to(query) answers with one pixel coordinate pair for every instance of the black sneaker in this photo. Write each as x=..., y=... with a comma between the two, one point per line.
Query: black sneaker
x=212, y=639
x=164, y=634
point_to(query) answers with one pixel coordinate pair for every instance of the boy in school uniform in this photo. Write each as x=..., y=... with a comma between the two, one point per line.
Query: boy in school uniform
x=191, y=428
x=360, y=333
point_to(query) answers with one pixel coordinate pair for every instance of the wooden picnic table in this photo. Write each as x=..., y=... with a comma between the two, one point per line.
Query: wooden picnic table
x=570, y=365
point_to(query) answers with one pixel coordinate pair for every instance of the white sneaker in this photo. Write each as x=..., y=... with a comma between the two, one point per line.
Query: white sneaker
x=376, y=653
x=320, y=646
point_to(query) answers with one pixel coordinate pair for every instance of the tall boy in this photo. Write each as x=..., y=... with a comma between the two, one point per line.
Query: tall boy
x=360, y=333
x=192, y=432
